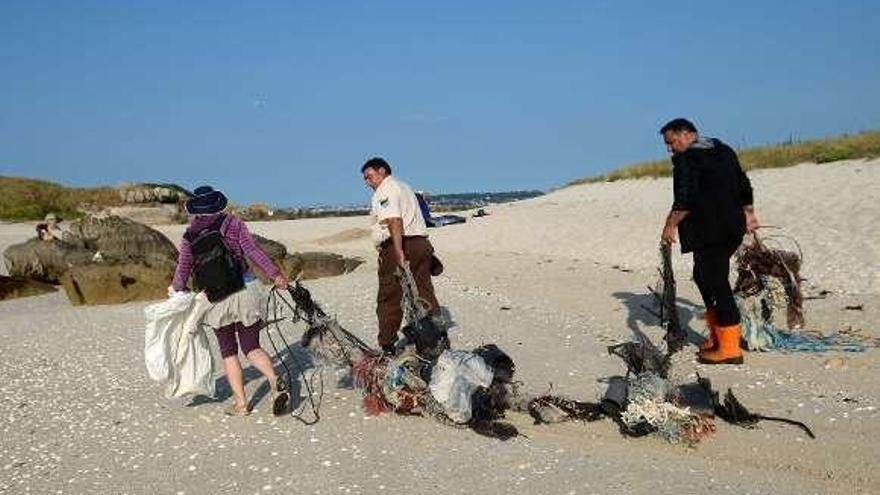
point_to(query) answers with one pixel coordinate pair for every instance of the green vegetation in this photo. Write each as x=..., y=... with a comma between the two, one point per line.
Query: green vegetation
x=32, y=199
x=863, y=145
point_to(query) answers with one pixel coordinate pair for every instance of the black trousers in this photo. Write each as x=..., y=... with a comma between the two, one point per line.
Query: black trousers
x=711, y=272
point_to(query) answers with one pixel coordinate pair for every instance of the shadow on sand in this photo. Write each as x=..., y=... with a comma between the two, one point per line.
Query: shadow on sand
x=291, y=360
x=642, y=313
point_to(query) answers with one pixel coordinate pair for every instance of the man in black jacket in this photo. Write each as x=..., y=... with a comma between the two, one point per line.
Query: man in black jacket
x=712, y=210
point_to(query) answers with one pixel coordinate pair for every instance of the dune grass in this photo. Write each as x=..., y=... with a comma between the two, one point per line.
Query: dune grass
x=31, y=199
x=862, y=145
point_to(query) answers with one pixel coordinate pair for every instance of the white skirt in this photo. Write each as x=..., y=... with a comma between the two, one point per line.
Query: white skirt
x=247, y=306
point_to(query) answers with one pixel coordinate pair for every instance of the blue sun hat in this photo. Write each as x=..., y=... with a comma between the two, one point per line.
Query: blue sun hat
x=206, y=201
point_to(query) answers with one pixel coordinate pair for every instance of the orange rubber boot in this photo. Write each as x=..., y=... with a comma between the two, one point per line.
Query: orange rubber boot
x=711, y=343
x=728, y=351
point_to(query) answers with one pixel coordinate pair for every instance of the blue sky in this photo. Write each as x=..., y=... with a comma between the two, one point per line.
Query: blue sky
x=282, y=102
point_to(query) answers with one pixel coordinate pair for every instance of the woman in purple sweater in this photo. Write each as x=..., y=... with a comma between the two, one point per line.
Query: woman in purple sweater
x=237, y=318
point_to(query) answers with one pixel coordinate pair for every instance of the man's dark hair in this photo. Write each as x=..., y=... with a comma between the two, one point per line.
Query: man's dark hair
x=376, y=163
x=678, y=125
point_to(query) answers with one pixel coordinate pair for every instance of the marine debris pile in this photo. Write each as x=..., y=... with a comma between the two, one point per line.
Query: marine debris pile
x=474, y=389
x=768, y=280
x=467, y=389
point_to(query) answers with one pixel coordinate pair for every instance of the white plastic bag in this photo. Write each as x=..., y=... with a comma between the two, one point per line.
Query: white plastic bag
x=193, y=371
x=163, y=319
x=176, y=347
x=454, y=379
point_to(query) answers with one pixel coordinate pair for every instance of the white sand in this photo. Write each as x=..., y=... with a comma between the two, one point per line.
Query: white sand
x=80, y=416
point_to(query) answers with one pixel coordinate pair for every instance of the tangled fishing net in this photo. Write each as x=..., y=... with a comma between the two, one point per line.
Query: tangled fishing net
x=400, y=383
x=369, y=373
x=650, y=408
x=768, y=281
x=771, y=274
x=664, y=292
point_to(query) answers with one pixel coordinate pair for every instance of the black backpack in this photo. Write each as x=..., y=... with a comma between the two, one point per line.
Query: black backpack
x=215, y=269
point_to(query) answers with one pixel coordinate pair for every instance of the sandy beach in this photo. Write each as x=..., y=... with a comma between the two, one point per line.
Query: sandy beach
x=553, y=281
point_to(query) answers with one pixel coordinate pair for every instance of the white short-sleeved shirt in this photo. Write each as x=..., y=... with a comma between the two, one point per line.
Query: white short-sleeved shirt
x=394, y=198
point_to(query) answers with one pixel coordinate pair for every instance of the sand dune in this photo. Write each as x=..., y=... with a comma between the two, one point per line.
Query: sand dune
x=347, y=235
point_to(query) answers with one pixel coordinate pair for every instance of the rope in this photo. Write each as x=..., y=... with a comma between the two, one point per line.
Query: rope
x=277, y=310
x=414, y=308
x=783, y=235
x=675, y=335
x=753, y=258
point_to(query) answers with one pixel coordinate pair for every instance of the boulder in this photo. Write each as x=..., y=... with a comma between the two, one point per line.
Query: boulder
x=307, y=265
x=163, y=214
x=274, y=249
x=116, y=282
x=100, y=260
x=120, y=239
x=44, y=261
x=152, y=193
x=110, y=260
x=312, y=265
x=13, y=287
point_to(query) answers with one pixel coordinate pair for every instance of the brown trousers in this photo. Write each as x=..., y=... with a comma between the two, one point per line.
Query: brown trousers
x=418, y=251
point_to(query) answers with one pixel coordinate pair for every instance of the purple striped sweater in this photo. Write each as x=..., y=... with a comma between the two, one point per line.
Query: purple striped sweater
x=237, y=239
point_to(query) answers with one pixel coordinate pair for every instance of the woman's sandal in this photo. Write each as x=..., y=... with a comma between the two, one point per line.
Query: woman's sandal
x=238, y=410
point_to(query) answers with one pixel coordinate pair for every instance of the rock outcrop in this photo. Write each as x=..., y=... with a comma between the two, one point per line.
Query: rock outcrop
x=312, y=265
x=120, y=239
x=13, y=287
x=152, y=193
x=44, y=261
x=163, y=214
x=111, y=260
x=116, y=282
x=100, y=260
x=307, y=265
x=151, y=204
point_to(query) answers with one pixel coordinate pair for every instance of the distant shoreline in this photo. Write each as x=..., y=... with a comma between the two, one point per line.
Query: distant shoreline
x=437, y=202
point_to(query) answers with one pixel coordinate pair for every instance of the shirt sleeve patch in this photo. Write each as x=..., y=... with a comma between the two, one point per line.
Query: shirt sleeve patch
x=383, y=202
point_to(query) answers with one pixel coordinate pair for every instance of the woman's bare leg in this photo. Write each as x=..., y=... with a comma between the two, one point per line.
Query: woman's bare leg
x=235, y=378
x=263, y=362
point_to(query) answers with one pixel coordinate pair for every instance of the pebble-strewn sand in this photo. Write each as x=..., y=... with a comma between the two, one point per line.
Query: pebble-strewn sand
x=78, y=414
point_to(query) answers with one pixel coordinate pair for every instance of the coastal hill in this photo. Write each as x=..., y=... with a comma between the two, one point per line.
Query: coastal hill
x=31, y=199
x=791, y=152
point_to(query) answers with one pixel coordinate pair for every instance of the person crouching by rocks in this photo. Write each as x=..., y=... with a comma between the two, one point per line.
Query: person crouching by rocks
x=50, y=229
x=213, y=252
x=400, y=236
x=712, y=210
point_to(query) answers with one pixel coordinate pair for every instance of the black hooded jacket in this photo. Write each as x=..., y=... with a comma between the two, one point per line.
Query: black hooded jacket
x=709, y=183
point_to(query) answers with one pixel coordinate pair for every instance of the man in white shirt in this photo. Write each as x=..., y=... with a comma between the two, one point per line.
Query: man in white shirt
x=400, y=236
